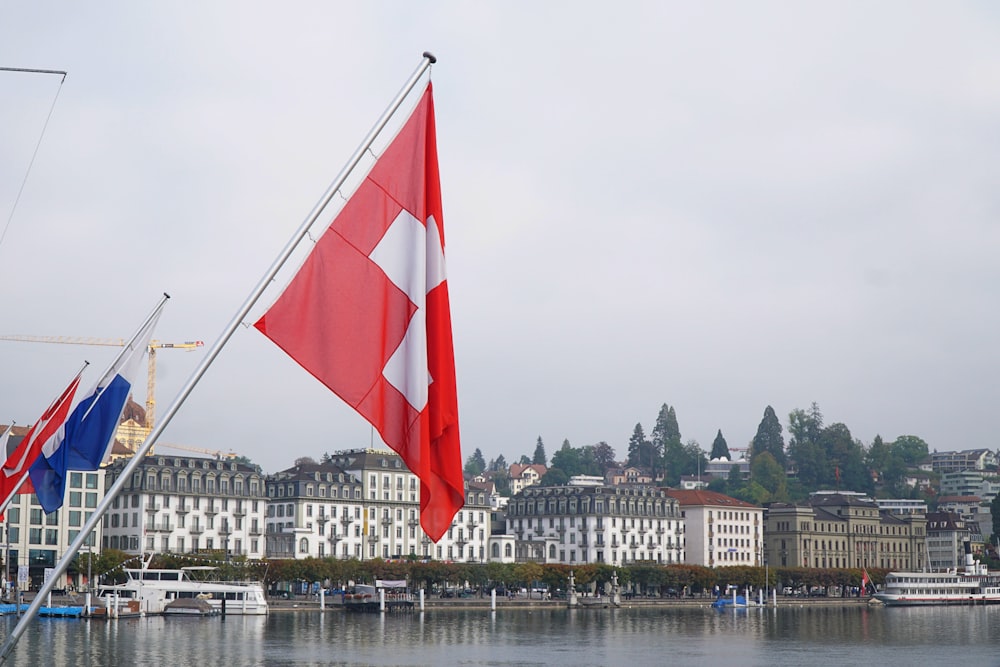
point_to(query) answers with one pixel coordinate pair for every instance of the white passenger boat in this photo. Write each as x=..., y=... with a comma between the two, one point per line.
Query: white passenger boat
x=154, y=589
x=975, y=585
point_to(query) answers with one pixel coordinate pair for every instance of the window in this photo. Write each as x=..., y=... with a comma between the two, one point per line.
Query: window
x=76, y=479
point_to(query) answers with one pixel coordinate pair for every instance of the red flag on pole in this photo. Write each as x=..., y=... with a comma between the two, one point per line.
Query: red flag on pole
x=14, y=471
x=368, y=315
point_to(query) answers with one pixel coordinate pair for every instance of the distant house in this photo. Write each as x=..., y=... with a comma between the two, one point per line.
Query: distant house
x=968, y=459
x=692, y=482
x=523, y=475
x=627, y=475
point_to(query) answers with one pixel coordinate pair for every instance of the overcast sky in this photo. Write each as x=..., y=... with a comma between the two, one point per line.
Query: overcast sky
x=719, y=206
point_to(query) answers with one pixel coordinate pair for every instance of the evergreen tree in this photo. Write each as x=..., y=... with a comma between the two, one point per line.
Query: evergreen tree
x=524, y=460
x=539, y=457
x=499, y=464
x=720, y=449
x=769, y=438
x=766, y=472
x=995, y=513
x=475, y=464
x=640, y=450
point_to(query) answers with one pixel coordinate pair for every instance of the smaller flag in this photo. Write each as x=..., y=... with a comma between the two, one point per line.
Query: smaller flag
x=83, y=443
x=865, y=580
x=4, y=439
x=14, y=471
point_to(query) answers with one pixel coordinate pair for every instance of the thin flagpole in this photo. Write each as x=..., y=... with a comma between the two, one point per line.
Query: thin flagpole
x=126, y=473
x=126, y=350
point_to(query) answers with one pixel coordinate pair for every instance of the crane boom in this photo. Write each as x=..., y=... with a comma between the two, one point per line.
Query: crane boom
x=154, y=345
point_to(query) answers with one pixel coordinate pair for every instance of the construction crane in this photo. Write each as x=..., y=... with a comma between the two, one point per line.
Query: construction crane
x=219, y=454
x=154, y=345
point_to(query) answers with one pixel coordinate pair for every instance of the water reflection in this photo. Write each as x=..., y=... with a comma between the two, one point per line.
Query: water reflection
x=683, y=636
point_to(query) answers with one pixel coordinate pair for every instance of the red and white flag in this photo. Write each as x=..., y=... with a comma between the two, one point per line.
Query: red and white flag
x=865, y=580
x=368, y=315
x=14, y=471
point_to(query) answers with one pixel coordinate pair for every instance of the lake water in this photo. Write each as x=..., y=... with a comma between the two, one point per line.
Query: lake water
x=786, y=636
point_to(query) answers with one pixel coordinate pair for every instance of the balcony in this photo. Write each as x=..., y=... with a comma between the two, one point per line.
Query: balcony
x=182, y=509
x=196, y=530
x=322, y=518
x=153, y=507
x=211, y=510
x=239, y=512
x=372, y=539
x=413, y=523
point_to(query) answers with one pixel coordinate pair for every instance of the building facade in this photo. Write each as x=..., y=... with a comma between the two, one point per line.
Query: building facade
x=720, y=530
x=947, y=534
x=36, y=540
x=314, y=511
x=390, y=512
x=834, y=530
x=595, y=524
x=177, y=504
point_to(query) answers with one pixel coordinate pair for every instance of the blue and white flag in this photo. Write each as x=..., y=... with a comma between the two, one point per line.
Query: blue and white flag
x=91, y=427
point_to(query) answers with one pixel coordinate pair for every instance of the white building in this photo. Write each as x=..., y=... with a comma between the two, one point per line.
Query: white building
x=595, y=524
x=314, y=511
x=176, y=504
x=720, y=530
x=390, y=512
x=38, y=540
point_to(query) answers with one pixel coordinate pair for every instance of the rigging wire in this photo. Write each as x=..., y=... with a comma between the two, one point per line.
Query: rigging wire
x=38, y=145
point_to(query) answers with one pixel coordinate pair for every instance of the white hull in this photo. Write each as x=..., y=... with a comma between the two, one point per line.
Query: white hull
x=911, y=589
x=155, y=589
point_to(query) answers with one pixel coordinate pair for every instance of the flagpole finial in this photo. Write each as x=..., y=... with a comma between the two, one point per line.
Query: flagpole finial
x=430, y=56
x=166, y=295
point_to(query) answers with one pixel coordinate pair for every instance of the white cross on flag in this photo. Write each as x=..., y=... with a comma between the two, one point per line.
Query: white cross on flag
x=368, y=315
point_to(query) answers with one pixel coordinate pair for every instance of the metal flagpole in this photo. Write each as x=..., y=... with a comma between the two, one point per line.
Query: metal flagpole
x=126, y=473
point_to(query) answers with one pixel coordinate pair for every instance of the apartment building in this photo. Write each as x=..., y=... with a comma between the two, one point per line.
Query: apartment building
x=390, y=511
x=720, y=530
x=617, y=525
x=314, y=510
x=176, y=504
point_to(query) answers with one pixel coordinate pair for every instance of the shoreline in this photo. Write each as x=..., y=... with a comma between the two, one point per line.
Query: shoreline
x=504, y=604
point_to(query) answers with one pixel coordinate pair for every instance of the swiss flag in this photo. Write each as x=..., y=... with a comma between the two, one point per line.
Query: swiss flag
x=367, y=314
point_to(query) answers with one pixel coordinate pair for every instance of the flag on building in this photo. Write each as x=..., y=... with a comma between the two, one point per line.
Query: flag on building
x=14, y=471
x=83, y=443
x=368, y=315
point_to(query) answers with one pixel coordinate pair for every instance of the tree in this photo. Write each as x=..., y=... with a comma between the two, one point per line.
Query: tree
x=995, y=513
x=554, y=477
x=568, y=460
x=640, y=450
x=604, y=456
x=911, y=448
x=769, y=438
x=498, y=464
x=666, y=435
x=539, y=458
x=720, y=449
x=766, y=472
x=305, y=461
x=475, y=464
x=804, y=449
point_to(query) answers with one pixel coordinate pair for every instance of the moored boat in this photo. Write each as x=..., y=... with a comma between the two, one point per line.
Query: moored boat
x=154, y=589
x=974, y=585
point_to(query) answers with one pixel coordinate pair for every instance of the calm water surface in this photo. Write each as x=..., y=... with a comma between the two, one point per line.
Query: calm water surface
x=779, y=637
